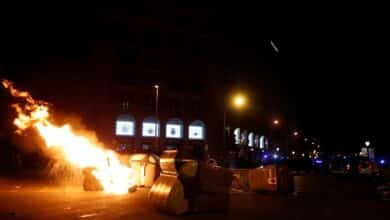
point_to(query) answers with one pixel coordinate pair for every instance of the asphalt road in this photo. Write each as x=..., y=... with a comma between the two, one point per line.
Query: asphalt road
x=26, y=201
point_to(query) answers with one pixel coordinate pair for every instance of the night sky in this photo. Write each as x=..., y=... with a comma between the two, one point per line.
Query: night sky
x=332, y=87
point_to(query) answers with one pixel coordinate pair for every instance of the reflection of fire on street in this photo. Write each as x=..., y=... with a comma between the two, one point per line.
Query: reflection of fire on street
x=77, y=148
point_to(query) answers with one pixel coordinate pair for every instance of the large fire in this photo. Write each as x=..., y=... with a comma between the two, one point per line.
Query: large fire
x=78, y=149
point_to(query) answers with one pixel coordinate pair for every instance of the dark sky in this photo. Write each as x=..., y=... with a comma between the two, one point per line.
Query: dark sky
x=331, y=86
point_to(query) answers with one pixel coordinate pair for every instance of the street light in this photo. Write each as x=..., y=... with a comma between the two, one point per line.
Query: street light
x=296, y=133
x=157, y=140
x=276, y=122
x=367, y=143
x=239, y=101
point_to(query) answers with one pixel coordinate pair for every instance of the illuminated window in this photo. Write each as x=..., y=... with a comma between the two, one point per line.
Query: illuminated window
x=150, y=127
x=174, y=128
x=262, y=142
x=251, y=140
x=237, y=136
x=196, y=130
x=124, y=125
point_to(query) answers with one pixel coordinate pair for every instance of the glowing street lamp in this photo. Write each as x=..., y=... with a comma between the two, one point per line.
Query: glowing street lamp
x=239, y=101
x=367, y=143
x=296, y=133
x=277, y=149
x=276, y=122
x=293, y=152
x=157, y=139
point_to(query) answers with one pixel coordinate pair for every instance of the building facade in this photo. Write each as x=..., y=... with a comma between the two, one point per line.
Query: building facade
x=143, y=121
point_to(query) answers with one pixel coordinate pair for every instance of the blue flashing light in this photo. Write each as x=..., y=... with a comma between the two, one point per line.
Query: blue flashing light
x=382, y=162
x=318, y=161
x=265, y=156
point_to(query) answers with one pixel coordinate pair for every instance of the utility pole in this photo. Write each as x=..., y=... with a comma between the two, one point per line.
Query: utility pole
x=157, y=129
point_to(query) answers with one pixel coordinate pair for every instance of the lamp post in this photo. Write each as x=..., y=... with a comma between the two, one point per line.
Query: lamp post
x=156, y=86
x=239, y=101
x=275, y=123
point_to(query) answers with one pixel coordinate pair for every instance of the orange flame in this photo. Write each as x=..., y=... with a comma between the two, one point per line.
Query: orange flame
x=78, y=149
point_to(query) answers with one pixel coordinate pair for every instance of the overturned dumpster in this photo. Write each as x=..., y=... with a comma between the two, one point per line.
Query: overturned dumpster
x=269, y=178
x=187, y=185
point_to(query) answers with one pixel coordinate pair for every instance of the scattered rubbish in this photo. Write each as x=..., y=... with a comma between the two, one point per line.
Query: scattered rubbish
x=88, y=215
x=132, y=189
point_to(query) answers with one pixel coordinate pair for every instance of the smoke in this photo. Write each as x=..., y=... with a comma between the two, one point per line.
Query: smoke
x=60, y=172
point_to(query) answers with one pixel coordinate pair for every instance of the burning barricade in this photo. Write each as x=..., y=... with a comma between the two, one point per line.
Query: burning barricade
x=144, y=169
x=75, y=147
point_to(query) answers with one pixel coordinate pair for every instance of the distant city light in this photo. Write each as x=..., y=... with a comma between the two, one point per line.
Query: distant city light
x=293, y=152
x=265, y=156
x=318, y=161
x=277, y=149
x=314, y=151
x=303, y=155
x=276, y=122
x=345, y=157
x=318, y=146
x=382, y=162
x=296, y=133
x=275, y=156
x=367, y=143
x=313, y=143
x=305, y=139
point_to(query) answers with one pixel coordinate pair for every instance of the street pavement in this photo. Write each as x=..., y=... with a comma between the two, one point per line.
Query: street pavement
x=37, y=201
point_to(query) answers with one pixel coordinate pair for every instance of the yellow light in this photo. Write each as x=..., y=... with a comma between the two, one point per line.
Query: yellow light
x=239, y=101
x=276, y=122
